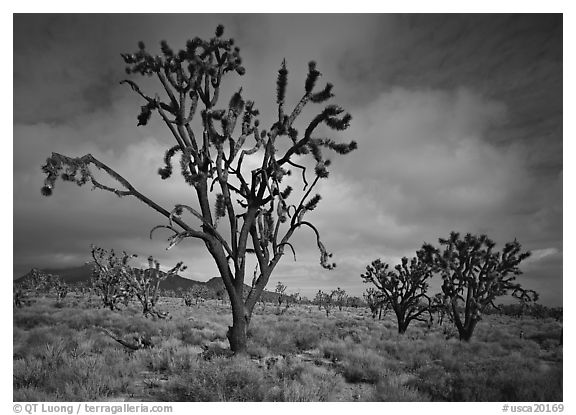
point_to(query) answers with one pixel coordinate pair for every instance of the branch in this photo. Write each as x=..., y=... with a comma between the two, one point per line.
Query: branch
x=324, y=255
x=57, y=162
x=291, y=247
x=173, y=216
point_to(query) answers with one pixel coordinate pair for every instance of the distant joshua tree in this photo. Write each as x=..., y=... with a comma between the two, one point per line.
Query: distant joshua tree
x=198, y=292
x=280, y=290
x=36, y=283
x=441, y=307
x=324, y=301
x=375, y=301
x=129, y=281
x=294, y=298
x=108, y=279
x=402, y=288
x=340, y=297
x=61, y=289
x=318, y=299
x=353, y=302
x=261, y=217
x=474, y=275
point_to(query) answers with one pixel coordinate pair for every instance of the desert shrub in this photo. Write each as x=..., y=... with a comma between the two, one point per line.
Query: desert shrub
x=237, y=379
x=169, y=359
x=391, y=389
x=29, y=373
x=360, y=365
x=434, y=381
x=305, y=383
x=31, y=394
x=277, y=338
x=510, y=378
x=307, y=336
x=553, y=337
x=356, y=363
x=187, y=334
x=29, y=318
x=256, y=350
x=71, y=379
x=496, y=365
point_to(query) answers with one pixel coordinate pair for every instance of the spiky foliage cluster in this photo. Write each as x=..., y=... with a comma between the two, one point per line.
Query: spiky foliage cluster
x=474, y=274
x=404, y=288
x=212, y=142
x=117, y=281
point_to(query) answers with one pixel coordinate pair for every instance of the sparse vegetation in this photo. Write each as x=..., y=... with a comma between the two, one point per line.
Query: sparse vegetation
x=61, y=354
x=73, y=343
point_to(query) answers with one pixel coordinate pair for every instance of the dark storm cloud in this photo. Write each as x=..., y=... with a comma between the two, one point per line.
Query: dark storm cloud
x=516, y=59
x=458, y=121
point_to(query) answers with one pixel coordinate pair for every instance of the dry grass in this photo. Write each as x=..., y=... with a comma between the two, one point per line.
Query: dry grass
x=60, y=355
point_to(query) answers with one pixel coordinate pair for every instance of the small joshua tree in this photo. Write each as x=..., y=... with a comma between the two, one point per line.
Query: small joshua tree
x=353, y=302
x=280, y=290
x=474, y=275
x=188, y=299
x=441, y=307
x=141, y=283
x=61, y=289
x=324, y=301
x=260, y=214
x=199, y=292
x=294, y=298
x=403, y=288
x=36, y=283
x=328, y=303
x=318, y=299
x=108, y=279
x=375, y=301
x=19, y=297
x=339, y=296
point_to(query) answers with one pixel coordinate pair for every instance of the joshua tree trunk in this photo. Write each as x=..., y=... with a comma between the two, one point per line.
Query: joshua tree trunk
x=237, y=333
x=465, y=332
x=402, y=322
x=466, y=328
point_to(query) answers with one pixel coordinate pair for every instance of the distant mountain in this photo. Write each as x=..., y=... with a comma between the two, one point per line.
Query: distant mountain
x=83, y=273
x=177, y=282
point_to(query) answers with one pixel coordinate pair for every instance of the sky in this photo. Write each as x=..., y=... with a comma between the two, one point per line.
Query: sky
x=458, y=120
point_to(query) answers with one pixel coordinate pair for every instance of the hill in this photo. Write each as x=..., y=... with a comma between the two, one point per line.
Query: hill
x=82, y=274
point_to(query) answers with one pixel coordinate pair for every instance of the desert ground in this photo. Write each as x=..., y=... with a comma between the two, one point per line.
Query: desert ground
x=61, y=353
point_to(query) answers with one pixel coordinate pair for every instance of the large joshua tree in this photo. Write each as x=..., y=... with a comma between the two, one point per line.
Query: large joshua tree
x=474, y=274
x=403, y=289
x=260, y=214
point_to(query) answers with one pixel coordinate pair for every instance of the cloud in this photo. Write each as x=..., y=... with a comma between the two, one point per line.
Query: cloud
x=424, y=160
x=465, y=137
x=540, y=255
